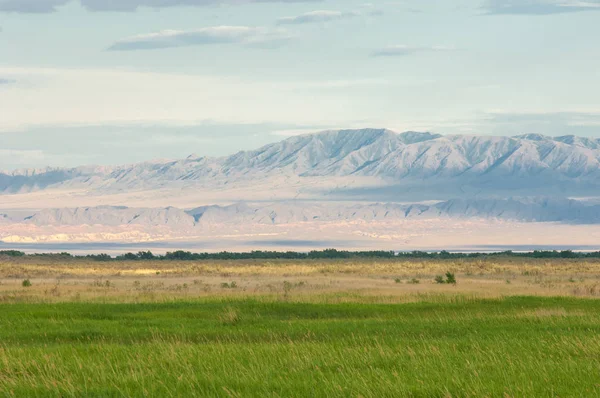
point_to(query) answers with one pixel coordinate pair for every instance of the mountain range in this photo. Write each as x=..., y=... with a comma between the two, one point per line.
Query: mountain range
x=360, y=188
x=368, y=161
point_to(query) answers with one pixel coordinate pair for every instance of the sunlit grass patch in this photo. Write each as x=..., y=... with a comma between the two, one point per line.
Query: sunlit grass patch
x=438, y=345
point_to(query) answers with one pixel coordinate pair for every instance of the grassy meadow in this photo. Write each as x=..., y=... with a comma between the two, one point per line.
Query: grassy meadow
x=361, y=328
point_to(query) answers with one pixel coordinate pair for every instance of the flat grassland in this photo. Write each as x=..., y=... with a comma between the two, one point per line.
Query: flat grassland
x=365, y=328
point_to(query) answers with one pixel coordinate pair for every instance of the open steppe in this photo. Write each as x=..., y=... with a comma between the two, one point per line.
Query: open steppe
x=510, y=327
x=59, y=278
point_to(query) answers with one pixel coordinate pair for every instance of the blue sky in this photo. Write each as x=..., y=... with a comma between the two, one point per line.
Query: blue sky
x=118, y=81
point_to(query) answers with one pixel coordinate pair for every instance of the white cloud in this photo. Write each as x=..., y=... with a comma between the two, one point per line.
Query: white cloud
x=316, y=16
x=49, y=6
x=132, y=5
x=404, y=50
x=213, y=35
x=31, y=6
x=344, y=84
x=322, y=16
x=540, y=7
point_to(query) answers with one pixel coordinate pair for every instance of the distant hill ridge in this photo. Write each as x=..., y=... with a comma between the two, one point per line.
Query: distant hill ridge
x=285, y=213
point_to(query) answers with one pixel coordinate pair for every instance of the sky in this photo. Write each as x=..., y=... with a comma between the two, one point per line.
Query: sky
x=122, y=81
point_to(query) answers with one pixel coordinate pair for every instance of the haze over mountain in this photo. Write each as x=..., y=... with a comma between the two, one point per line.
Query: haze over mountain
x=372, y=163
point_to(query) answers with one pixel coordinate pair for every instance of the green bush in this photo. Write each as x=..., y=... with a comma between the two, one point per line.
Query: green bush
x=450, y=278
x=26, y=283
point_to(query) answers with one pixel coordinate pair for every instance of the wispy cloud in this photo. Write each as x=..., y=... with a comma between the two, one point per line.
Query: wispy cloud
x=253, y=36
x=31, y=6
x=540, y=7
x=132, y=5
x=49, y=6
x=404, y=50
x=322, y=16
x=6, y=81
x=316, y=16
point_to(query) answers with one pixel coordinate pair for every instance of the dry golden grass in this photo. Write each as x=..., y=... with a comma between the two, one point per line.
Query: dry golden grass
x=376, y=280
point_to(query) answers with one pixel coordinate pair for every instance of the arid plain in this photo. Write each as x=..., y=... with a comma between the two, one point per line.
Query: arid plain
x=61, y=278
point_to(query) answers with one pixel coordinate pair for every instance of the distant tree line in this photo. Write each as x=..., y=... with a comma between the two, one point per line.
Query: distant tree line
x=181, y=255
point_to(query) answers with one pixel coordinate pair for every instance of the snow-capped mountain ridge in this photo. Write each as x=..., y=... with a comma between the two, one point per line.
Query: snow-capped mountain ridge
x=370, y=153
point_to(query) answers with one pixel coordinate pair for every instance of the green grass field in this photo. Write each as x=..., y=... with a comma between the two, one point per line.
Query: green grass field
x=438, y=347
